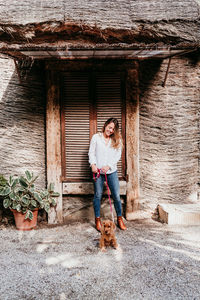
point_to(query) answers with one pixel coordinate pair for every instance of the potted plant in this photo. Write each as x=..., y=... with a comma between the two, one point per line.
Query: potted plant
x=21, y=196
x=3, y=182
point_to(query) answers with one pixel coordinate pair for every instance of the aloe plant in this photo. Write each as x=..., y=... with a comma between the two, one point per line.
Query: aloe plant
x=19, y=193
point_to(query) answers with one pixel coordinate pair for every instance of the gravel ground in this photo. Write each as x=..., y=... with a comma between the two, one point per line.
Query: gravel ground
x=155, y=261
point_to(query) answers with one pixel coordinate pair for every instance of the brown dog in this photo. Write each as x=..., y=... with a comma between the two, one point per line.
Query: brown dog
x=107, y=235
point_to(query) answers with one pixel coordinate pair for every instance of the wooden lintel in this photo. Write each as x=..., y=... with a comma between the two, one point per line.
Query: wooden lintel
x=86, y=188
x=53, y=137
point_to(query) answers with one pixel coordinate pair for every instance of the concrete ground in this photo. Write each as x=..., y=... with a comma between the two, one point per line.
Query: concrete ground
x=155, y=261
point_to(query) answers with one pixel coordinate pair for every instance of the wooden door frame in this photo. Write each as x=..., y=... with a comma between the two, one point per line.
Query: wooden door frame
x=132, y=141
x=53, y=139
x=53, y=143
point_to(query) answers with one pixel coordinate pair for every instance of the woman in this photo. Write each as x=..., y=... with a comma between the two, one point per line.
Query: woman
x=104, y=153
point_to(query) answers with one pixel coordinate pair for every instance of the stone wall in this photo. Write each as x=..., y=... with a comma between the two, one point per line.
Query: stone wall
x=110, y=13
x=22, y=122
x=169, y=131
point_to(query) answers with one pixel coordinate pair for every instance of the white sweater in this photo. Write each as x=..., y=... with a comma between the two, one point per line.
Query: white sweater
x=102, y=155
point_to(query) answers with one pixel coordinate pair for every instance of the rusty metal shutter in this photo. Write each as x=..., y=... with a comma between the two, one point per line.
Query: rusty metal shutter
x=77, y=125
x=108, y=102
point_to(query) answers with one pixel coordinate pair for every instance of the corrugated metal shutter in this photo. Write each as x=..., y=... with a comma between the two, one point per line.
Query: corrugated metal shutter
x=108, y=101
x=76, y=105
x=77, y=125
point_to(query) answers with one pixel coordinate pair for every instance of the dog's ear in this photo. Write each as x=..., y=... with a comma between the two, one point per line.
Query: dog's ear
x=102, y=227
x=113, y=226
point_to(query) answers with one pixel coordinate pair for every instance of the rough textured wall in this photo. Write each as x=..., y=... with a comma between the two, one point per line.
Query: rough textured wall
x=169, y=133
x=109, y=13
x=22, y=119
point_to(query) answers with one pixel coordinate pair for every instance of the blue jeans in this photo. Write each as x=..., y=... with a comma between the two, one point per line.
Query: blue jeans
x=113, y=183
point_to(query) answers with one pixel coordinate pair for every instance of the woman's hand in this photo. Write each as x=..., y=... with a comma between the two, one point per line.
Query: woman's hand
x=105, y=169
x=94, y=168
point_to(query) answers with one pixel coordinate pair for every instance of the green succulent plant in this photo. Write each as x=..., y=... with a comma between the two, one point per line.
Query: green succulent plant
x=3, y=181
x=19, y=193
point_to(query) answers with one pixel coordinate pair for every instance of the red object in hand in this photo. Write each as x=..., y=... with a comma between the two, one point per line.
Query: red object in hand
x=98, y=174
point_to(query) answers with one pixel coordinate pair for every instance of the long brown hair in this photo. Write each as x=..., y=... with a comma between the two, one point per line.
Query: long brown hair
x=116, y=139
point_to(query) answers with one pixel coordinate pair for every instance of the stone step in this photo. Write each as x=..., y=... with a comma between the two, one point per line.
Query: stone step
x=179, y=214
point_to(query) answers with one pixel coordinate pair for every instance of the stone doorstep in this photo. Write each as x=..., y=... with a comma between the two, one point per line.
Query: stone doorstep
x=179, y=214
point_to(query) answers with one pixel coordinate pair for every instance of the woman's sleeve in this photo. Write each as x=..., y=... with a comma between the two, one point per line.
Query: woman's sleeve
x=115, y=158
x=92, y=151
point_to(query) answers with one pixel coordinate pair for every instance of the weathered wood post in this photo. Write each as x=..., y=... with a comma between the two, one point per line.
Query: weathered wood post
x=53, y=142
x=132, y=141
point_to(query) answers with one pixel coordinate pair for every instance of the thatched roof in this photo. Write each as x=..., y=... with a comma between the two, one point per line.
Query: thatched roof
x=149, y=20
x=125, y=22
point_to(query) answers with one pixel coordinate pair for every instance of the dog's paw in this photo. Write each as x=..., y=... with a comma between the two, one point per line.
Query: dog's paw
x=103, y=249
x=119, y=249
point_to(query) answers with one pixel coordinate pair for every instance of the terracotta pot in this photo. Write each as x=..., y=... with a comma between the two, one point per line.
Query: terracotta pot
x=22, y=223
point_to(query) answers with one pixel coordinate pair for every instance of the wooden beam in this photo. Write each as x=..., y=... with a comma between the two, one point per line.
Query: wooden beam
x=93, y=109
x=123, y=107
x=18, y=73
x=167, y=72
x=86, y=188
x=53, y=142
x=132, y=141
x=62, y=115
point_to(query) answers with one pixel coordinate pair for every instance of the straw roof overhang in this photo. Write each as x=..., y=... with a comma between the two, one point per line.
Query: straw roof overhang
x=130, y=52
x=127, y=29
x=171, y=33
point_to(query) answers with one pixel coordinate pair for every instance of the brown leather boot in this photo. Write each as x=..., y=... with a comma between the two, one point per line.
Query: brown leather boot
x=98, y=223
x=121, y=223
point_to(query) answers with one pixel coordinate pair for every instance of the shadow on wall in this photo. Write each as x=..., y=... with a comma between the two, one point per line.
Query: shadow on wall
x=169, y=130
x=22, y=121
x=194, y=58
